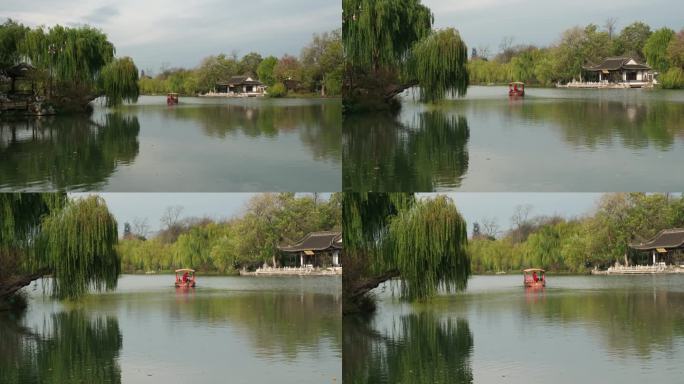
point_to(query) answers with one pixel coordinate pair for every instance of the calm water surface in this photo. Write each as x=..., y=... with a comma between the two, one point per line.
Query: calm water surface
x=578, y=330
x=552, y=140
x=229, y=329
x=201, y=145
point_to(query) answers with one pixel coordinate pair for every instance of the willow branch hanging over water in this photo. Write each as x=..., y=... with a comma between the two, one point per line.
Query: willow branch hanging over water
x=390, y=46
x=44, y=234
x=422, y=242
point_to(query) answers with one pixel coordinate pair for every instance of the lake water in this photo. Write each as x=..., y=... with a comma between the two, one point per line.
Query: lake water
x=228, y=329
x=200, y=145
x=580, y=329
x=551, y=140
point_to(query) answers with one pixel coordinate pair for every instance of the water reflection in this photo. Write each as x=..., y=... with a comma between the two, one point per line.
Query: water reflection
x=71, y=347
x=319, y=126
x=417, y=348
x=627, y=323
x=382, y=153
x=591, y=125
x=65, y=151
x=553, y=140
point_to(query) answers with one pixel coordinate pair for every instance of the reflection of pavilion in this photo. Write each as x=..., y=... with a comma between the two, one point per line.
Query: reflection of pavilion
x=666, y=248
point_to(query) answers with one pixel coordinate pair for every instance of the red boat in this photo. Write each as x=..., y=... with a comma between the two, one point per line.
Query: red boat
x=185, y=278
x=516, y=89
x=172, y=99
x=534, y=277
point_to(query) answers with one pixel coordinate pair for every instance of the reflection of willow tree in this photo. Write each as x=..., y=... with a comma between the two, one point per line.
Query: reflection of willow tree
x=637, y=125
x=420, y=349
x=318, y=125
x=629, y=322
x=279, y=324
x=73, y=349
x=67, y=151
x=383, y=154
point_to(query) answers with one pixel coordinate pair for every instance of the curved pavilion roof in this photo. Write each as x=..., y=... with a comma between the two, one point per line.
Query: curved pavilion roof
x=316, y=241
x=617, y=63
x=667, y=239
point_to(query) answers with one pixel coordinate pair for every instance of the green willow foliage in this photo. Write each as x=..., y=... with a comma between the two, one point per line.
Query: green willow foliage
x=438, y=62
x=77, y=63
x=423, y=242
x=379, y=33
x=45, y=234
x=119, y=81
x=427, y=245
x=72, y=54
x=20, y=219
x=390, y=46
x=77, y=244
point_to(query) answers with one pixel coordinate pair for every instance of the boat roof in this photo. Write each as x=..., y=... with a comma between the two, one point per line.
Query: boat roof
x=173, y=93
x=185, y=270
x=534, y=270
x=516, y=82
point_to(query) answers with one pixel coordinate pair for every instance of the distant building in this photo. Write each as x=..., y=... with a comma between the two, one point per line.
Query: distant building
x=621, y=70
x=316, y=250
x=665, y=247
x=241, y=86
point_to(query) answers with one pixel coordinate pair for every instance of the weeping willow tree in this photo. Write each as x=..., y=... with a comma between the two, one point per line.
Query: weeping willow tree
x=390, y=46
x=421, y=242
x=48, y=235
x=75, y=65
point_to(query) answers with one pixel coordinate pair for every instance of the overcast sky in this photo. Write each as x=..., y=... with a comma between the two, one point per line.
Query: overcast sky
x=181, y=33
x=500, y=207
x=540, y=22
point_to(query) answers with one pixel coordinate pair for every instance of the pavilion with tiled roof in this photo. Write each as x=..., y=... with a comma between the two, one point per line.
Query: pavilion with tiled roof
x=620, y=70
x=665, y=247
x=316, y=249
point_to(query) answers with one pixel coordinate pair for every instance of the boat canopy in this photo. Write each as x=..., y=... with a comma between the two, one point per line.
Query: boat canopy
x=185, y=270
x=516, y=82
x=533, y=270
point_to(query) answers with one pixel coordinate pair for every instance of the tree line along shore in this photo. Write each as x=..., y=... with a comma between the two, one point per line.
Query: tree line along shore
x=316, y=72
x=577, y=47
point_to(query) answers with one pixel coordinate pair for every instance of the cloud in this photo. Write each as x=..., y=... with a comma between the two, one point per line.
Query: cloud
x=101, y=14
x=182, y=32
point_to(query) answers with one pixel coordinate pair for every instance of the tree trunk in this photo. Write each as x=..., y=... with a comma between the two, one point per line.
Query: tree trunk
x=355, y=299
x=12, y=284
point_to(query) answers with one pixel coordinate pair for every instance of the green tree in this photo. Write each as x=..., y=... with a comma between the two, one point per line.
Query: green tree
x=45, y=234
x=249, y=64
x=288, y=68
x=12, y=35
x=322, y=62
x=675, y=50
x=81, y=63
x=390, y=46
x=655, y=49
x=422, y=242
x=265, y=70
x=632, y=40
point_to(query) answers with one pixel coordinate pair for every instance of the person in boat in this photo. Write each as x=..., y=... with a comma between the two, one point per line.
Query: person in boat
x=185, y=278
x=535, y=277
